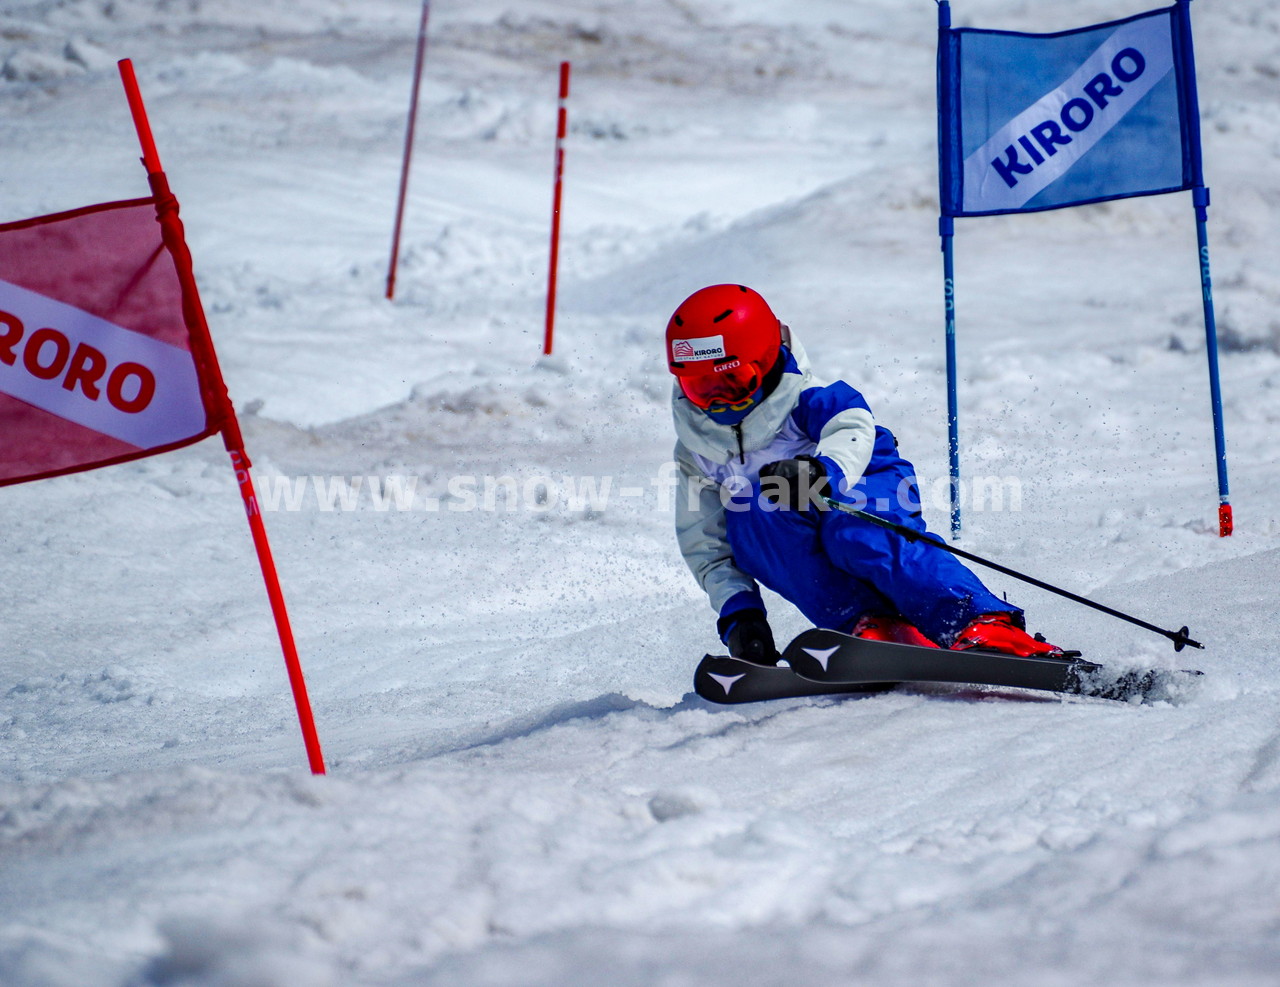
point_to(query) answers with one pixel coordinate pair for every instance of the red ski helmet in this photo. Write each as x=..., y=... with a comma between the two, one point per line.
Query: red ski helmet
x=721, y=342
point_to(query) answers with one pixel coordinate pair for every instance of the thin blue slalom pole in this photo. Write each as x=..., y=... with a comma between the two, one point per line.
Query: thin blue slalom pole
x=1200, y=200
x=946, y=229
x=1226, y=523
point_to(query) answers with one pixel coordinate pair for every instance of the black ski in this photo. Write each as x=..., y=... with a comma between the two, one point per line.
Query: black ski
x=821, y=662
x=835, y=658
x=721, y=679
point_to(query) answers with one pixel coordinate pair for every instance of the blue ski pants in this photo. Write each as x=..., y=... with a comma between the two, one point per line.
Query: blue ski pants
x=836, y=568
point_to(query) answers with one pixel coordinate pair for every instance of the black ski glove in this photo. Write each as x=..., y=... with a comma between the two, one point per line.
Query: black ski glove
x=795, y=484
x=748, y=636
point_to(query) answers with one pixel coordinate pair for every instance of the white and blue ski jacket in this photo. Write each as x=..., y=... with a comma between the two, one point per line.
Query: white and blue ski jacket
x=803, y=416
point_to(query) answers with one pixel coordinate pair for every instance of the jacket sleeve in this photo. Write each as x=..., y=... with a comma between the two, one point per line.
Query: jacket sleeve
x=702, y=535
x=839, y=420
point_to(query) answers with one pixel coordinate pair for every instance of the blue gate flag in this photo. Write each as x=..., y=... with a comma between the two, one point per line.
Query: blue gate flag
x=1029, y=122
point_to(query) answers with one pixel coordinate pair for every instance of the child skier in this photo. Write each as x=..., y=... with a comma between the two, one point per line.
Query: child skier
x=759, y=440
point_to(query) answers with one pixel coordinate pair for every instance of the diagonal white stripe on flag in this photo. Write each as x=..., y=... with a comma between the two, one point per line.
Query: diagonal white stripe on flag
x=176, y=411
x=985, y=190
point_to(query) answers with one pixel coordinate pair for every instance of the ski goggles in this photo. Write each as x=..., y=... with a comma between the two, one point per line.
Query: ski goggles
x=732, y=390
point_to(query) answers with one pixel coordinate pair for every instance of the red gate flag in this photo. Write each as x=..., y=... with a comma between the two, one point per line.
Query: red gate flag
x=95, y=358
x=106, y=356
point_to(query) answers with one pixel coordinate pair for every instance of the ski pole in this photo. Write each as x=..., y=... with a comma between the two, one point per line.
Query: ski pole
x=1180, y=638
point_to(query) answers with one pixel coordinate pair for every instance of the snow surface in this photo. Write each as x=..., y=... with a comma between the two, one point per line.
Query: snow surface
x=522, y=788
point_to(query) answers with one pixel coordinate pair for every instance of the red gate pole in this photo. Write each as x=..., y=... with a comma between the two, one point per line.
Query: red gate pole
x=218, y=403
x=418, y=61
x=562, y=117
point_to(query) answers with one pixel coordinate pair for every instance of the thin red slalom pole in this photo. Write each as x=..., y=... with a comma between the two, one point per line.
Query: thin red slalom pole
x=562, y=119
x=240, y=462
x=418, y=61
x=220, y=407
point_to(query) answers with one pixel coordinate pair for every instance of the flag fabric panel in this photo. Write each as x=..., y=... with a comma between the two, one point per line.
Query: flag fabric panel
x=1029, y=122
x=95, y=359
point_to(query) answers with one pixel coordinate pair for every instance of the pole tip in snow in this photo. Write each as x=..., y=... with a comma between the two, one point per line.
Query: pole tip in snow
x=1226, y=523
x=1183, y=638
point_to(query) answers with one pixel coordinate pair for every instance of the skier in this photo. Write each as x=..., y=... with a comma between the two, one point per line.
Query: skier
x=760, y=440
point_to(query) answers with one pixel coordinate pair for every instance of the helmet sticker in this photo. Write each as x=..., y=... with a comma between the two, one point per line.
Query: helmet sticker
x=703, y=348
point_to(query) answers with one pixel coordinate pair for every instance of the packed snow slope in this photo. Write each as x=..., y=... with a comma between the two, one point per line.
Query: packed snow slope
x=522, y=788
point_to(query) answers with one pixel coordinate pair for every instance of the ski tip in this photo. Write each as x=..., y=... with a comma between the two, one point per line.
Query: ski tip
x=1144, y=686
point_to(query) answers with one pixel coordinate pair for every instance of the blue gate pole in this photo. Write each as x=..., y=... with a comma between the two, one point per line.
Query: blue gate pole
x=946, y=229
x=1226, y=523
x=1200, y=199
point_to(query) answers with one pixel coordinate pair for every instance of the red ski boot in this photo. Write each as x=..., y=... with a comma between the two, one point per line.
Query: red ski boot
x=998, y=632
x=895, y=629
